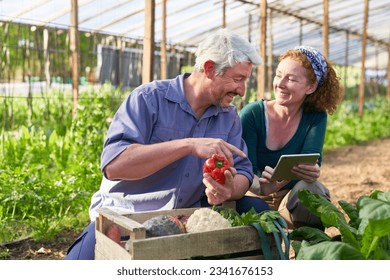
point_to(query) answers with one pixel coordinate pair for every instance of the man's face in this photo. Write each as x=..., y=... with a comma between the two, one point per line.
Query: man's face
x=231, y=83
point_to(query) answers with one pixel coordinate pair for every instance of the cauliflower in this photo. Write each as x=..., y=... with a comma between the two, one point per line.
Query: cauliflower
x=206, y=219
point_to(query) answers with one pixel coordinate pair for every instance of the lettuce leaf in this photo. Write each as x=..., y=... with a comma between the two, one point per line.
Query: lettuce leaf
x=321, y=207
x=328, y=250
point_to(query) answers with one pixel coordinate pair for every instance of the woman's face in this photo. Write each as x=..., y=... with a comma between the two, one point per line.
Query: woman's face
x=291, y=84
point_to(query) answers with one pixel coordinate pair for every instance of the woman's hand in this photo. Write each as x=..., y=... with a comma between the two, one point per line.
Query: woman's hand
x=266, y=186
x=307, y=172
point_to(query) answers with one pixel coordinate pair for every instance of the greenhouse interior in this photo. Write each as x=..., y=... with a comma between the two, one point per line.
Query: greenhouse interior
x=67, y=66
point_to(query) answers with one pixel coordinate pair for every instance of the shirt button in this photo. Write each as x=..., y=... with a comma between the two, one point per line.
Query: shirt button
x=187, y=175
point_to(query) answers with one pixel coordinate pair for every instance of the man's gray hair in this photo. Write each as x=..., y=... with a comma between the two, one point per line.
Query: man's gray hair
x=225, y=49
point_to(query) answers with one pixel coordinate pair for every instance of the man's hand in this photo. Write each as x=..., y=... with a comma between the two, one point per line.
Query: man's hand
x=206, y=147
x=217, y=193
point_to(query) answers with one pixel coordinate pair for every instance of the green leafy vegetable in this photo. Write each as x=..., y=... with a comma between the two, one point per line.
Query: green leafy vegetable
x=266, y=222
x=365, y=236
x=328, y=250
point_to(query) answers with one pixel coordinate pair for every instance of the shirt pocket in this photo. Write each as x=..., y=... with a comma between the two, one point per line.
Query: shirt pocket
x=163, y=134
x=223, y=136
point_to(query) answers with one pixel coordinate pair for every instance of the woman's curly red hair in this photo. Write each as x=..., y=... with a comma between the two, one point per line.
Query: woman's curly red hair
x=327, y=96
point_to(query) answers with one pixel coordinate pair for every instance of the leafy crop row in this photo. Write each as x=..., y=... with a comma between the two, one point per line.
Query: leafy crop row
x=49, y=169
x=345, y=127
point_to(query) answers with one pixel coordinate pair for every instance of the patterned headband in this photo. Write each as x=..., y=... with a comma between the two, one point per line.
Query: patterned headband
x=317, y=61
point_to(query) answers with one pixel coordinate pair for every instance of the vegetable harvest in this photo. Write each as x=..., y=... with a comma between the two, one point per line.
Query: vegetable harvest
x=205, y=219
x=268, y=224
x=216, y=166
x=165, y=225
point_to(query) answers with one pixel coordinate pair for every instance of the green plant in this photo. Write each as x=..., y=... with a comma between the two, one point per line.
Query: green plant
x=4, y=253
x=366, y=236
x=266, y=222
x=345, y=127
x=49, y=171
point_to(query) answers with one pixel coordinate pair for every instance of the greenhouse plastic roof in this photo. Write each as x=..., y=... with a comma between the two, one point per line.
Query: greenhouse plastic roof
x=189, y=21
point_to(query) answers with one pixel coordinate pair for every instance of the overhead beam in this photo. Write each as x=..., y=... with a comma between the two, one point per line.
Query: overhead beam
x=285, y=11
x=62, y=13
x=105, y=10
x=191, y=6
x=28, y=9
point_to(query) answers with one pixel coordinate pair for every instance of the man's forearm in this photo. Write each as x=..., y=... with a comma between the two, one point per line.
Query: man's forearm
x=241, y=186
x=139, y=161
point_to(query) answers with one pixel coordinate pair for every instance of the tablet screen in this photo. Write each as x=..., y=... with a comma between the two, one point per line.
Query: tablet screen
x=282, y=170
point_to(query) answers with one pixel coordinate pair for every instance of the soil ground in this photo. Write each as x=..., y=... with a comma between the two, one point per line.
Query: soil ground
x=348, y=172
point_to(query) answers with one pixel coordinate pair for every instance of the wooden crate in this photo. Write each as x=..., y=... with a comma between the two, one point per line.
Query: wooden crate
x=232, y=243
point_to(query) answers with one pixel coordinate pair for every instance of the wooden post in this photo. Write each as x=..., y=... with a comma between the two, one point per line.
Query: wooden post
x=388, y=71
x=250, y=28
x=263, y=42
x=346, y=62
x=270, y=59
x=163, y=48
x=148, y=51
x=223, y=13
x=74, y=48
x=300, y=32
x=325, y=30
x=120, y=44
x=46, y=56
x=363, y=69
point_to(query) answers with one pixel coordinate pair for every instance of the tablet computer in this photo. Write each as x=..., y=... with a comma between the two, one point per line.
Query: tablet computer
x=282, y=171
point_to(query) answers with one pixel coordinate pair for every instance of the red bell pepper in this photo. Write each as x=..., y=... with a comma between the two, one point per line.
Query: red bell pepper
x=216, y=166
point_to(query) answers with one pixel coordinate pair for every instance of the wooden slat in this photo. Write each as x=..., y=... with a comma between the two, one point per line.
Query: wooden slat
x=143, y=216
x=129, y=226
x=106, y=249
x=203, y=244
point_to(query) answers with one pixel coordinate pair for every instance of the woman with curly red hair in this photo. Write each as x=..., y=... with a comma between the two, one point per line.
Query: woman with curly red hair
x=306, y=89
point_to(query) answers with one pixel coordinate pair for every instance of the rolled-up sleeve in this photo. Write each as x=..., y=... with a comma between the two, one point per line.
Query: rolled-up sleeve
x=131, y=124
